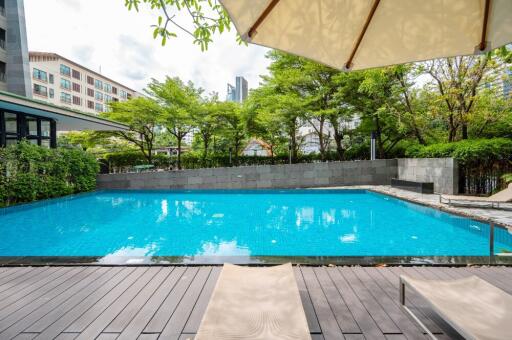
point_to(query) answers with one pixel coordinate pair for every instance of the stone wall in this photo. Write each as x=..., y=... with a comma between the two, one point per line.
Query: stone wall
x=377, y=172
x=443, y=172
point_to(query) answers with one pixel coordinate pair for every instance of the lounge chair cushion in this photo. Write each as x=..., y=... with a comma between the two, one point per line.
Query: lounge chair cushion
x=255, y=303
x=474, y=307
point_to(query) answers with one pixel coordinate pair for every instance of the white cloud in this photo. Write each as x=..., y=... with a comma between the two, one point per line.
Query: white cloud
x=103, y=33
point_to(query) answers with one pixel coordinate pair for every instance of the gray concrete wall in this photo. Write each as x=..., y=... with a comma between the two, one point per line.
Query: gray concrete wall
x=377, y=172
x=443, y=172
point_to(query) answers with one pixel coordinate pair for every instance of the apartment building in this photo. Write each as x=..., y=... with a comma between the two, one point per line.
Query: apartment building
x=14, y=68
x=62, y=82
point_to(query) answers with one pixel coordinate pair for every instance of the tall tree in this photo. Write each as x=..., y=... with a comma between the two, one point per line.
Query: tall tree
x=179, y=102
x=142, y=115
x=457, y=82
x=231, y=125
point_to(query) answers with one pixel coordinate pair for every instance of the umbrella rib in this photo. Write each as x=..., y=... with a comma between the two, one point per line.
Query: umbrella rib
x=262, y=17
x=348, y=64
x=483, y=42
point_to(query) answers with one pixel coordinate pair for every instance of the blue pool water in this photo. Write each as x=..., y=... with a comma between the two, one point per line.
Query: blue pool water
x=238, y=223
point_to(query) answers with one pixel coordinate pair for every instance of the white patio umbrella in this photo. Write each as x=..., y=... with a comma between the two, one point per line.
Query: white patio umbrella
x=360, y=34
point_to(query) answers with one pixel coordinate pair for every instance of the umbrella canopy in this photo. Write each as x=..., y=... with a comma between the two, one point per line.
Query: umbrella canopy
x=360, y=34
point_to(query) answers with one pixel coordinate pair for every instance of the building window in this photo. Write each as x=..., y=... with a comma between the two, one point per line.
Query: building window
x=99, y=96
x=98, y=107
x=98, y=84
x=90, y=80
x=65, y=70
x=90, y=92
x=52, y=93
x=114, y=90
x=39, y=75
x=11, y=123
x=90, y=104
x=76, y=87
x=108, y=98
x=31, y=126
x=76, y=75
x=50, y=77
x=77, y=100
x=65, y=84
x=2, y=38
x=3, y=67
x=124, y=94
x=107, y=88
x=65, y=97
x=40, y=90
x=45, y=128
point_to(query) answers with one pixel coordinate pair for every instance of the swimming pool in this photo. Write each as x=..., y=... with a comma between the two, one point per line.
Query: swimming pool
x=239, y=224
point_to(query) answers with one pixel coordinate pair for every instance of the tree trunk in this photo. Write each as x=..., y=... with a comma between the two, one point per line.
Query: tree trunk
x=338, y=138
x=464, y=129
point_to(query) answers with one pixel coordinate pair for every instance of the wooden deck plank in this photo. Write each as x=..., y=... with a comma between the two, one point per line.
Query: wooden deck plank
x=309, y=310
x=59, y=325
x=105, y=318
x=372, y=306
x=24, y=281
x=326, y=318
x=128, y=313
x=137, y=325
x=58, y=296
x=92, y=313
x=21, y=308
x=341, y=311
x=366, y=323
x=103, y=275
x=16, y=293
x=392, y=307
x=164, y=313
x=194, y=320
x=14, y=273
x=121, y=302
x=179, y=318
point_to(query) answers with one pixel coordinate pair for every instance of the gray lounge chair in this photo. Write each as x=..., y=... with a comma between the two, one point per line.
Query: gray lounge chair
x=495, y=201
x=472, y=306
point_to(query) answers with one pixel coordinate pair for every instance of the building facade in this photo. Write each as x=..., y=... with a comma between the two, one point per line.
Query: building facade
x=62, y=82
x=239, y=92
x=14, y=67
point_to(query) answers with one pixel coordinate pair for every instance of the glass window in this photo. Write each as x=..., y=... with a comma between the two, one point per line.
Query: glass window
x=41, y=75
x=98, y=96
x=98, y=84
x=11, y=141
x=40, y=90
x=65, y=97
x=107, y=88
x=108, y=98
x=33, y=141
x=45, y=143
x=76, y=74
x=124, y=95
x=45, y=128
x=31, y=126
x=99, y=107
x=65, y=84
x=51, y=78
x=52, y=93
x=90, y=80
x=65, y=70
x=90, y=104
x=11, y=122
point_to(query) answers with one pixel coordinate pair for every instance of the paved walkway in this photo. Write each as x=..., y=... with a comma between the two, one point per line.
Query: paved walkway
x=146, y=303
x=500, y=216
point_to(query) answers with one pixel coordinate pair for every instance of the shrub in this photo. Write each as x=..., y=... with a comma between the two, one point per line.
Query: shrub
x=29, y=172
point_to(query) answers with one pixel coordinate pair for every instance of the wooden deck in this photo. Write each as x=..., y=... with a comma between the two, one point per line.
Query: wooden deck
x=168, y=302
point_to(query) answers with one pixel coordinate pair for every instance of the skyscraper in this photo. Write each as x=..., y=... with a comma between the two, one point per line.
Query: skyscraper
x=239, y=92
x=14, y=66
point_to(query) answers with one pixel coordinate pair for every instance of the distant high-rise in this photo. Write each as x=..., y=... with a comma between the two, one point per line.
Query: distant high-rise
x=239, y=92
x=14, y=67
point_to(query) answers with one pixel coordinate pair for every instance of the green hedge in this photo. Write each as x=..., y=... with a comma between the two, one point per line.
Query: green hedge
x=29, y=172
x=471, y=151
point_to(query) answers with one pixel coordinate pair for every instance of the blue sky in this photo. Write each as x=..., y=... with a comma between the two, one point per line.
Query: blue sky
x=103, y=33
